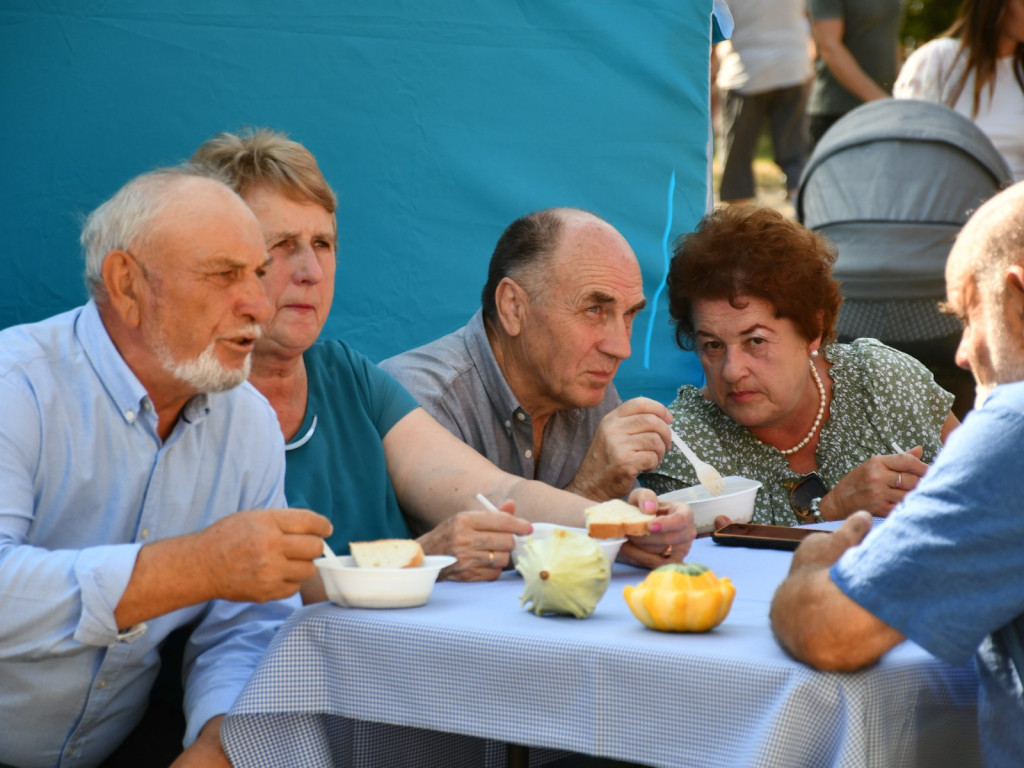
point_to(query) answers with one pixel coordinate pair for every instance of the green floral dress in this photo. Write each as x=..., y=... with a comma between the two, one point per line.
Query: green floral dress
x=880, y=396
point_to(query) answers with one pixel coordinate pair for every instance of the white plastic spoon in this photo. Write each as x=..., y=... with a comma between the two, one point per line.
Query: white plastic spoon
x=329, y=553
x=487, y=503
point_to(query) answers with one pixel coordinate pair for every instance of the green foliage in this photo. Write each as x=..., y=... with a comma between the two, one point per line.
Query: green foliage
x=926, y=19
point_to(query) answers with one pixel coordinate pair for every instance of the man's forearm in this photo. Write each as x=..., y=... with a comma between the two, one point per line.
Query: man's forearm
x=585, y=485
x=789, y=620
x=600, y=486
x=818, y=625
x=207, y=750
x=159, y=584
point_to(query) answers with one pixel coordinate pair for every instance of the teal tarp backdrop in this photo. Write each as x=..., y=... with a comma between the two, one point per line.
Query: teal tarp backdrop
x=437, y=121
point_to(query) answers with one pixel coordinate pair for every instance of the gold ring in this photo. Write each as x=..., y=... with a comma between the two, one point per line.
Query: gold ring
x=899, y=479
x=668, y=552
x=490, y=558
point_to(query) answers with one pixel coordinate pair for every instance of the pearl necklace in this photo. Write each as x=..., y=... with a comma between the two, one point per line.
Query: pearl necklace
x=817, y=419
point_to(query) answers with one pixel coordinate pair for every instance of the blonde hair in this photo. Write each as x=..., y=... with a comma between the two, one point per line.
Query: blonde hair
x=266, y=158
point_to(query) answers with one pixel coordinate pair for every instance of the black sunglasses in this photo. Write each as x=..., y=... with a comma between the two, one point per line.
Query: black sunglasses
x=803, y=492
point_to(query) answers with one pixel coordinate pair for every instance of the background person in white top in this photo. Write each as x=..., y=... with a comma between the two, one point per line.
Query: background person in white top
x=977, y=68
x=764, y=73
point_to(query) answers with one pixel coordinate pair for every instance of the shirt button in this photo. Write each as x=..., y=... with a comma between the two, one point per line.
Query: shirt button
x=528, y=454
x=147, y=406
x=145, y=533
x=101, y=684
x=508, y=423
x=129, y=416
x=521, y=416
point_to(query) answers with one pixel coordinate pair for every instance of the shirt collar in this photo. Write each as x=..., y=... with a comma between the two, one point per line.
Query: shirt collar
x=502, y=398
x=120, y=382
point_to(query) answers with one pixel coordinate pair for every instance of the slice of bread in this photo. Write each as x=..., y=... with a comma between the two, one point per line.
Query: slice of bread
x=387, y=553
x=615, y=519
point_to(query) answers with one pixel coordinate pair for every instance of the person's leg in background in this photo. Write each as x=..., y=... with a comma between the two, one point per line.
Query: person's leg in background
x=791, y=141
x=818, y=126
x=742, y=118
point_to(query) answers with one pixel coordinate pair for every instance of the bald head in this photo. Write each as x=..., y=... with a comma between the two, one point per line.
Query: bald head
x=990, y=242
x=530, y=247
x=189, y=205
x=985, y=289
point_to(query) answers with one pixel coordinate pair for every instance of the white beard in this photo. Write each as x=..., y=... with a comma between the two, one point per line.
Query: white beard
x=1006, y=358
x=205, y=373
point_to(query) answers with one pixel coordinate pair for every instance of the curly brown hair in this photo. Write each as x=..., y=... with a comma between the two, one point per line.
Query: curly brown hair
x=746, y=250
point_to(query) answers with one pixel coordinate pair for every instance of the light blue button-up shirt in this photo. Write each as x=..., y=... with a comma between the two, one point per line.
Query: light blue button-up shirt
x=85, y=481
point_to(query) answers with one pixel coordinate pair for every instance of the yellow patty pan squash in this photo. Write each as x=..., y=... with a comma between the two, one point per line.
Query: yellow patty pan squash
x=566, y=573
x=681, y=597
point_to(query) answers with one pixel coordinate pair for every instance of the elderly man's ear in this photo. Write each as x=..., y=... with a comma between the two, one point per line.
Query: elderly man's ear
x=511, y=300
x=122, y=279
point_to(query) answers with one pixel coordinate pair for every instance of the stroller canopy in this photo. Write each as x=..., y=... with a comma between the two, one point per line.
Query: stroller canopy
x=891, y=184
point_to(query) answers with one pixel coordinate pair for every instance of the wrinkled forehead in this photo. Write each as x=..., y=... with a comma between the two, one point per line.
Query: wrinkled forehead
x=969, y=248
x=278, y=201
x=957, y=264
x=205, y=214
x=589, y=246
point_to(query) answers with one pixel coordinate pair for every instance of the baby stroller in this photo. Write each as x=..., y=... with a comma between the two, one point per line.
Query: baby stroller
x=891, y=184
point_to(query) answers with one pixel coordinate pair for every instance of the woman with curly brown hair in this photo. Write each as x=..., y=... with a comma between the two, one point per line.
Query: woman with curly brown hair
x=977, y=68
x=819, y=424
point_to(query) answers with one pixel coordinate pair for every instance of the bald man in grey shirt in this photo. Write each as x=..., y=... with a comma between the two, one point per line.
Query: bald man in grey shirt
x=528, y=381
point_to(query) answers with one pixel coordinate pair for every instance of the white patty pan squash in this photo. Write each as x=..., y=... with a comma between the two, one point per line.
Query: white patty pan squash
x=564, y=574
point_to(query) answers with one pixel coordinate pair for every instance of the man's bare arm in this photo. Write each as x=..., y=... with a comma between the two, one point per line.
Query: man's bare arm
x=631, y=439
x=256, y=556
x=811, y=617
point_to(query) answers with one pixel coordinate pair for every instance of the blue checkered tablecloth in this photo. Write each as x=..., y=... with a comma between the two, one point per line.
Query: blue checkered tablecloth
x=451, y=682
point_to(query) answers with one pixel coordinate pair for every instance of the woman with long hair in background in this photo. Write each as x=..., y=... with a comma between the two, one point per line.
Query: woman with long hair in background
x=977, y=68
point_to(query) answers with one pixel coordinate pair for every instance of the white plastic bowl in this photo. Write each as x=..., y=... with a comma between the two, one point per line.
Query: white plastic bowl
x=610, y=547
x=736, y=503
x=350, y=586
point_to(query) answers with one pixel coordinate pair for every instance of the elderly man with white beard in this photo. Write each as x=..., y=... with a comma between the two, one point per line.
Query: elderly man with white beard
x=944, y=570
x=143, y=482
